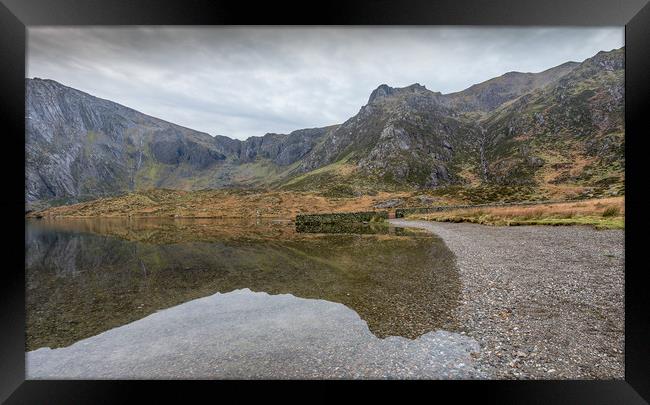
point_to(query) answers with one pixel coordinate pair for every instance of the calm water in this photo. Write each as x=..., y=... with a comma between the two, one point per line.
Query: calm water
x=85, y=277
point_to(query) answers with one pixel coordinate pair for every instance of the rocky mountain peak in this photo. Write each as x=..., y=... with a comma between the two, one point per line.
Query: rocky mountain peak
x=611, y=60
x=384, y=91
x=415, y=87
x=380, y=92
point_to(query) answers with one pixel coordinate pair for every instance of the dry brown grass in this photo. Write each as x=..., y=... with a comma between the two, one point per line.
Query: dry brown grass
x=567, y=210
x=216, y=204
x=602, y=213
x=573, y=164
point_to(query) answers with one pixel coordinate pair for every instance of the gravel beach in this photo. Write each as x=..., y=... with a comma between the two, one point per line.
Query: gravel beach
x=543, y=302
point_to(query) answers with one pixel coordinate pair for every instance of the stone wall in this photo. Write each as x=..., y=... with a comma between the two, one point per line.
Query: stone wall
x=341, y=217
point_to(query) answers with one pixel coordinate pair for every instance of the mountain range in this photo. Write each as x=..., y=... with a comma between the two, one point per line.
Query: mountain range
x=557, y=133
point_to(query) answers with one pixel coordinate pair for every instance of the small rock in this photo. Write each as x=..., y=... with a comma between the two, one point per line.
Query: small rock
x=425, y=200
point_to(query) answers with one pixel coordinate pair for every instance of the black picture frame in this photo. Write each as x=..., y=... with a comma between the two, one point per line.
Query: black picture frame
x=16, y=15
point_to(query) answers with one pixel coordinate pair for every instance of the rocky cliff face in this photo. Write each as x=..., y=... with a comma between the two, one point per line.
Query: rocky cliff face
x=79, y=146
x=559, y=128
x=281, y=149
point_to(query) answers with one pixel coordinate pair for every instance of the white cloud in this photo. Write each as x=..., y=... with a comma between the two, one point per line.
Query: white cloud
x=244, y=81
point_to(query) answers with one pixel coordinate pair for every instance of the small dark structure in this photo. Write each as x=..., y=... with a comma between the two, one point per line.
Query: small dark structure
x=343, y=222
x=341, y=217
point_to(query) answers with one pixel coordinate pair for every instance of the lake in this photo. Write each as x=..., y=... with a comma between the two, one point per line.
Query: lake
x=89, y=277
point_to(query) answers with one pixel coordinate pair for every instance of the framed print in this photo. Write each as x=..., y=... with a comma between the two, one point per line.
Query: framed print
x=447, y=192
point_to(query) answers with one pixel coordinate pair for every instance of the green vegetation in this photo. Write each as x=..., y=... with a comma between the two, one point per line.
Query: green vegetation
x=341, y=180
x=318, y=177
x=596, y=222
x=611, y=212
x=488, y=193
x=339, y=190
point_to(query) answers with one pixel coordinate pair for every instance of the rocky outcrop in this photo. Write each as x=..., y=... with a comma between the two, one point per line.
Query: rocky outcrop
x=282, y=149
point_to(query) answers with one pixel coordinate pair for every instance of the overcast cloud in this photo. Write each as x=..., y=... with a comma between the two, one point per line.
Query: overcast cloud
x=245, y=81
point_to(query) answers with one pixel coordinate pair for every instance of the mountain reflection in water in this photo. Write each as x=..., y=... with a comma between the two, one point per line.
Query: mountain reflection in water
x=85, y=276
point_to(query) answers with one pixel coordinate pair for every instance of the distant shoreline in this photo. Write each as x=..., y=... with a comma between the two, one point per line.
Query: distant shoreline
x=605, y=212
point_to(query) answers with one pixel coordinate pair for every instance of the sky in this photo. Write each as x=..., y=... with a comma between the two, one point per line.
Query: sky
x=247, y=81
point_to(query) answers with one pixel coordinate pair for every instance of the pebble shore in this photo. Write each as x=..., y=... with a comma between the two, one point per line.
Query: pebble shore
x=543, y=302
